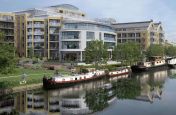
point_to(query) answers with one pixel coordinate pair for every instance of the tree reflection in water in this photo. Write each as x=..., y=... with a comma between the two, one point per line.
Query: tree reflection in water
x=96, y=99
x=141, y=87
x=127, y=88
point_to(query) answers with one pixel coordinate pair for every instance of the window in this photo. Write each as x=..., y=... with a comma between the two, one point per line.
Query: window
x=138, y=35
x=90, y=35
x=70, y=45
x=119, y=35
x=109, y=37
x=70, y=35
x=124, y=35
x=131, y=34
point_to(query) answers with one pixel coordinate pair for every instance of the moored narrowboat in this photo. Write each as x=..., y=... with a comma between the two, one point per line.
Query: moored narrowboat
x=171, y=62
x=66, y=81
x=153, y=63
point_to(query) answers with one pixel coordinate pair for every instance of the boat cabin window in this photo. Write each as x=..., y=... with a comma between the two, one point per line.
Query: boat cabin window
x=75, y=78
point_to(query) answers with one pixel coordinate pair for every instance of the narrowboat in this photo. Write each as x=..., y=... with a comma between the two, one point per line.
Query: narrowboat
x=153, y=63
x=171, y=62
x=119, y=71
x=66, y=81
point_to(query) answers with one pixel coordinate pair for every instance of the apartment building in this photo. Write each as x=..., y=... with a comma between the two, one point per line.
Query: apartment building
x=59, y=32
x=145, y=33
x=63, y=32
x=7, y=27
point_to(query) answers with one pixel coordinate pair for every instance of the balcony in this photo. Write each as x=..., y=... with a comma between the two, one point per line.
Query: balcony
x=6, y=27
x=9, y=34
x=54, y=23
x=29, y=33
x=29, y=26
x=29, y=40
x=70, y=37
x=38, y=33
x=39, y=26
x=109, y=39
x=38, y=40
x=53, y=32
x=6, y=19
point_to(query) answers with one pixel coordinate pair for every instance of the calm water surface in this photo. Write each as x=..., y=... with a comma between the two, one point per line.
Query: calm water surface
x=150, y=93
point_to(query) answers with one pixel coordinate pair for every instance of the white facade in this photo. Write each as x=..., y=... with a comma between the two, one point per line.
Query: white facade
x=75, y=35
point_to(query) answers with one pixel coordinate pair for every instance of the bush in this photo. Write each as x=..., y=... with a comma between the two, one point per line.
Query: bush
x=83, y=70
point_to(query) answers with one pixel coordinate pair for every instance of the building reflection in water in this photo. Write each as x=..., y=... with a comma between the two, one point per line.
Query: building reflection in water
x=151, y=85
x=86, y=98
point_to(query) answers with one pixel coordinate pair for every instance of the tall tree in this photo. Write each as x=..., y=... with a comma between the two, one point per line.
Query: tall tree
x=155, y=50
x=7, y=57
x=127, y=53
x=96, y=52
x=171, y=51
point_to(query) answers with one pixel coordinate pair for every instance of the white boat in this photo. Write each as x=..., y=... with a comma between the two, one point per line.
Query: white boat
x=171, y=62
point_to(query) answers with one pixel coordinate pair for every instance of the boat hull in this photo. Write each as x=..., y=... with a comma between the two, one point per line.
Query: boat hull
x=171, y=65
x=50, y=84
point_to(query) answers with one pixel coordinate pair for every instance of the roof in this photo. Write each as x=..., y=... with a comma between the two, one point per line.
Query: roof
x=132, y=24
x=66, y=6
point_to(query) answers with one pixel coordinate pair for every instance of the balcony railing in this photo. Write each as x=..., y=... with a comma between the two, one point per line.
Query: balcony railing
x=109, y=39
x=38, y=33
x=29, y=40
x=54, y=23
x=53, y=32
x=9, y=34
x=39, y=25
x=6, y=19
x=70, y=37
x=38, y=40
x=6, y=27
x=29, y=33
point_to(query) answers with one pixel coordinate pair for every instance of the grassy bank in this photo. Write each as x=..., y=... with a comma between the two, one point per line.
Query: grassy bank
x=33, y=77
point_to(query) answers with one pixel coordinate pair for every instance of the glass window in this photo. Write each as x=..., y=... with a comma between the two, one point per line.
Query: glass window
x=90, y=35
x=109, y=37
x=70, y=35
x=138, y=35
x=88, y=26
x=70, y=45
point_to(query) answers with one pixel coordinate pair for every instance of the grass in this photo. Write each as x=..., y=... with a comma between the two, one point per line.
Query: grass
x=33, y=77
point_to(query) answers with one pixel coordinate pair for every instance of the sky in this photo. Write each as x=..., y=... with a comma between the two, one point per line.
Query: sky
x=121, y=10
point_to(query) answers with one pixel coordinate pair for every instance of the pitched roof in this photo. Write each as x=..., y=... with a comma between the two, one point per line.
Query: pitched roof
x=132, y=24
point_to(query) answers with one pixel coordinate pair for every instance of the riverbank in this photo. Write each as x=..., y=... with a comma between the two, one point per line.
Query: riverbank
x=20, y=88
x=33, y=76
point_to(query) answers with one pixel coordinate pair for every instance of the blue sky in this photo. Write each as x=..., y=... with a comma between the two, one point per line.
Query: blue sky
x=121, y=10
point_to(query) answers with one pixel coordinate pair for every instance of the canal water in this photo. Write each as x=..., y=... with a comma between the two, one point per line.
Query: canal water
x=149, y=93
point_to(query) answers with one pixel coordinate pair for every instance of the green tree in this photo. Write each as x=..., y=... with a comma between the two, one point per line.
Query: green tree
x=155, y=50
x=171, y=51
x=127, y=53
x=31, y=52
x=7, y=57
x=96, y=52
x=2, y=37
